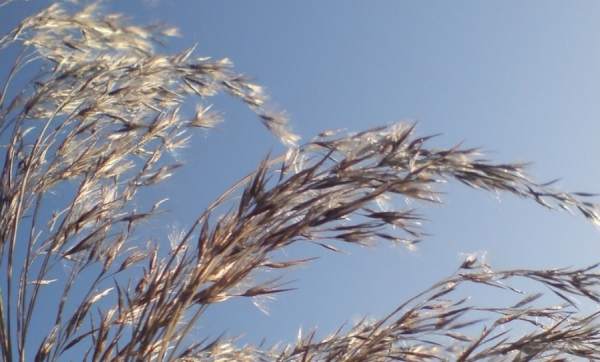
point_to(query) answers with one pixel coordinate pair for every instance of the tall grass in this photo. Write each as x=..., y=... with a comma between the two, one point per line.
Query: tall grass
x=98, y=110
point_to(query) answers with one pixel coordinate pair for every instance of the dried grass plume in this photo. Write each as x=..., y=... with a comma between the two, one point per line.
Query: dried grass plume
x=98, y=112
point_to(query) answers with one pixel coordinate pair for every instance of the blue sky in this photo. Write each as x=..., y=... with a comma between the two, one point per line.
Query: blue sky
x=520, y=79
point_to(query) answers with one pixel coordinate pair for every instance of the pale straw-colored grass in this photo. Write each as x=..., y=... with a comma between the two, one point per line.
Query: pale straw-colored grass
x=98, y=113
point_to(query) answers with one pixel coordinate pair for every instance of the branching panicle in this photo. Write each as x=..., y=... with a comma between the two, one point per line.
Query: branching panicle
x=99, y=115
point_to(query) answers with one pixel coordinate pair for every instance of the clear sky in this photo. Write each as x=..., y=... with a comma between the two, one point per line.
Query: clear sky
x=520, y=79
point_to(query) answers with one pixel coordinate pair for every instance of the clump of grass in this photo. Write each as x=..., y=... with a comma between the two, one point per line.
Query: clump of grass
x=99, y=114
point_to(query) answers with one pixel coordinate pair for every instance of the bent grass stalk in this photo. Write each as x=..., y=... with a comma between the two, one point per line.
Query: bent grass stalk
x=100, y=113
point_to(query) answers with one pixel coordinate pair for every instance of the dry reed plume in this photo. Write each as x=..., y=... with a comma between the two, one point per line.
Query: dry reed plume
x=98, y=113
